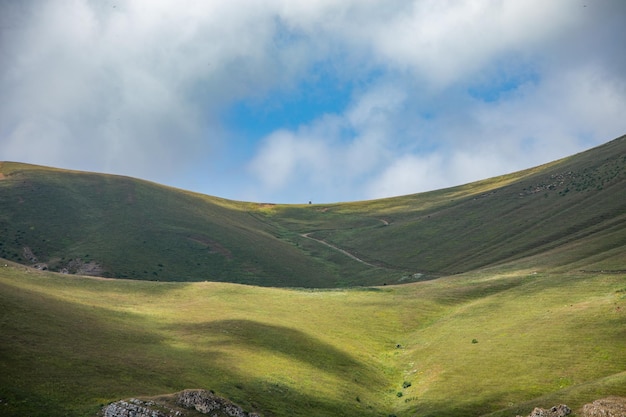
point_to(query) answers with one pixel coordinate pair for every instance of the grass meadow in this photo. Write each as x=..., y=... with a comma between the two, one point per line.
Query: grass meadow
x=513, y=295
x=495, y=341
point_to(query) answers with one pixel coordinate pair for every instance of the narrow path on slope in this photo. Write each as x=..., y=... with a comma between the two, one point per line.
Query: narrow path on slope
x=348, y=254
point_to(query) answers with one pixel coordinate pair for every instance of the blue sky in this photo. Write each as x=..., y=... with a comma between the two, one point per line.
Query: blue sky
x=328, y=100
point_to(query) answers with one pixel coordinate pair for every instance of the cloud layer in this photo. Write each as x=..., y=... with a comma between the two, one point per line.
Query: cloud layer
x=361, y=99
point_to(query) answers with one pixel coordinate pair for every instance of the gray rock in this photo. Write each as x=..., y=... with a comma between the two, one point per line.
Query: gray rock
x=131, y=408
x=557, y=411
x=207, y=402
x=606, y=407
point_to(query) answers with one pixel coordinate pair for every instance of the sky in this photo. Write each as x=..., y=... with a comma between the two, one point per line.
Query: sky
x=321, y=100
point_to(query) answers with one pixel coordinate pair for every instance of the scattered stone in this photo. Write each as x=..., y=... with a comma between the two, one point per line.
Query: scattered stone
x=605, y=407
x=206, y=402
x=79, y=267
x=130, y=408
x=557, y=411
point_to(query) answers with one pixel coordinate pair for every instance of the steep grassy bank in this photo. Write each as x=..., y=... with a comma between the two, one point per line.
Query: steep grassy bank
x=459, y=346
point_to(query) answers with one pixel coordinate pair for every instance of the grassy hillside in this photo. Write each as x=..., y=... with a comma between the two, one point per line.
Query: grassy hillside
x=125, y=228
x=573, y=209
x=518, y=299
x=487, y=342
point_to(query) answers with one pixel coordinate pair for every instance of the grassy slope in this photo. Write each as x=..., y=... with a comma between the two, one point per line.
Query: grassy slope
x=549, y=325
x=172, y=235
x=556, y=208
x=70, y=344
x=180, y=236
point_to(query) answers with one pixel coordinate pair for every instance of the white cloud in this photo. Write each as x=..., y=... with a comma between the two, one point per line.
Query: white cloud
x=440, y=41
x=405, y=138
x=333, y=152
x=408, y=174
x=140, y=88
x=136, y=87
x=283, y=155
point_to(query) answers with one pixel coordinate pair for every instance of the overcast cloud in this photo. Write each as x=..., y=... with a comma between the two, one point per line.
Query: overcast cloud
x=323, y=100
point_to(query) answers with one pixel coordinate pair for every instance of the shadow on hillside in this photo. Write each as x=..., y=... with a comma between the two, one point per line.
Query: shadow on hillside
x=58, y=357
x=524, y=285
x=286, y=341
x=114, y=355
x=283, y=400
x=455, y=407
x=472, y=290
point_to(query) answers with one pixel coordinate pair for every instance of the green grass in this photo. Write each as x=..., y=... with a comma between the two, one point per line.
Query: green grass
x=172, y=235
x=569, y=207
x=520, y=300
x=72, y=343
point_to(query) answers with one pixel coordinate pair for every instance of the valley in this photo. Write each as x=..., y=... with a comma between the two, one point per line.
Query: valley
x=486, y=299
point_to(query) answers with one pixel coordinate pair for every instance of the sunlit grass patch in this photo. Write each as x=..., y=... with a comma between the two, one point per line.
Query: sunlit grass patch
x=337, y=352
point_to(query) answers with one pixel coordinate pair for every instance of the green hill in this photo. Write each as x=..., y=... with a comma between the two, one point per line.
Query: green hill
x=514, y=295
x=549, y=211
x=126, y=228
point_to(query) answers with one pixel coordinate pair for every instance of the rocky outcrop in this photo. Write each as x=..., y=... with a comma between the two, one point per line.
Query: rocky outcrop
x=557, y=411
x=79, y=267
x=136, y=408
x=206, y=402
x=606, y=407
x=202, y=401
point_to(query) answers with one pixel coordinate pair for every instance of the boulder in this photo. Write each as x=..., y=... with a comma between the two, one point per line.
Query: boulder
x=207, y=402
x=133, y=408
x=202, y=401
x=557, y=411
x=605, y=407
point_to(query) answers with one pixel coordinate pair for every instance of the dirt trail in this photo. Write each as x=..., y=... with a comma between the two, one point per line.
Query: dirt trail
x=348, y=254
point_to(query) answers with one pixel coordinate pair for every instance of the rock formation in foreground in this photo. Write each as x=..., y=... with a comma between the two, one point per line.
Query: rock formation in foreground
x=187, y=403
x=605, y=407
x=557, y=411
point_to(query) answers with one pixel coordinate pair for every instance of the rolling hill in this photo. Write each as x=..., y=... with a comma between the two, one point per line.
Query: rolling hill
x=513, y=295
x=91, y=223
